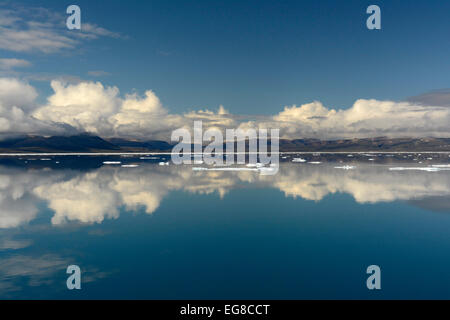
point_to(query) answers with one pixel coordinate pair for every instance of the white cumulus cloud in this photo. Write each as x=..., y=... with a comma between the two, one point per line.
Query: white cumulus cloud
x=93, y=107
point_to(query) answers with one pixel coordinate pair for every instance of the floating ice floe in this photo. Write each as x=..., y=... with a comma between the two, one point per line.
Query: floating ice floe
x=371, y=159
x=129, y=165
x=112, y=162
x=298, y=160
x=345, y=167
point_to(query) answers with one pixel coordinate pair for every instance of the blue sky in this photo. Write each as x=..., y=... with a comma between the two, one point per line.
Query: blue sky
x=310, y=68
x=254, y=57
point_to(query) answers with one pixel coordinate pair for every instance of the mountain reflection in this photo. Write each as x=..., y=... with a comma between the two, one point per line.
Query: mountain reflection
x=95, y=195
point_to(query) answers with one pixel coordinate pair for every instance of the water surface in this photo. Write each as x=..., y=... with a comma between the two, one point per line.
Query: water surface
x=149, y=231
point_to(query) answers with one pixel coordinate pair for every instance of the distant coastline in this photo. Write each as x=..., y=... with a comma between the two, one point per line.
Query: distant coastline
x=86, y=144
x=192, y=153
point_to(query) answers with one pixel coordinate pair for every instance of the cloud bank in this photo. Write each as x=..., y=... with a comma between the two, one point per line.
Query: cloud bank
x=102, y=110
x=366, y=118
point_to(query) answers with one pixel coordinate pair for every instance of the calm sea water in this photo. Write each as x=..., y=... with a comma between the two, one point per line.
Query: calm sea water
x=169, y=232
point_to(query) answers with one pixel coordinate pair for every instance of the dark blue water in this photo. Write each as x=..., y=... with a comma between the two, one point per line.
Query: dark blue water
x=168, y=232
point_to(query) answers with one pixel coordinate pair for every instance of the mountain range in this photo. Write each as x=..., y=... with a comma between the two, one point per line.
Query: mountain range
x=91, y=143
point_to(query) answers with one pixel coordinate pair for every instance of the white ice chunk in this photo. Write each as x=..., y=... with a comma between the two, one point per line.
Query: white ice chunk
x=112, y=162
